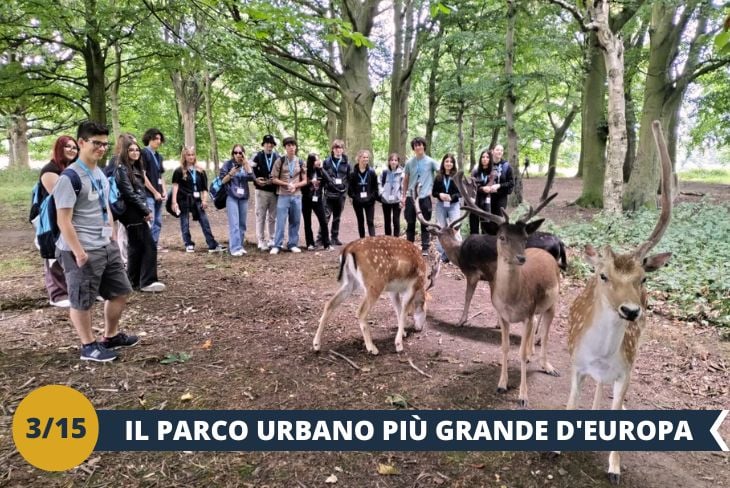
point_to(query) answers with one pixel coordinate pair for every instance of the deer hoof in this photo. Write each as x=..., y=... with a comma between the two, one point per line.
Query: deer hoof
x=399, y=348
x=501, y=389
x=374, y=351
x=538, y=341
x=614, y=478
x=551, y=372
x=523, y=403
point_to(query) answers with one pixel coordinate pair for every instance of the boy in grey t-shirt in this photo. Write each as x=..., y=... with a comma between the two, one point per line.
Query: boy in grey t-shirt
x=91, y=263
x=419, y=170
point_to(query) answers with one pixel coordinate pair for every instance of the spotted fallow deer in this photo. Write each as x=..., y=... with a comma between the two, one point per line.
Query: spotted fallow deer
x=607, y=318
x=378, y=264
x=526, y=283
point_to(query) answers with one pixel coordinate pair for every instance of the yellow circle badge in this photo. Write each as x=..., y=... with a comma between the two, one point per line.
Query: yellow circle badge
x=55, y=428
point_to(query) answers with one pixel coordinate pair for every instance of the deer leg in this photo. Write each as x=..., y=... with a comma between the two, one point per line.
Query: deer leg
x=471, y=284
x=614, y=458
x=525, y=346
x=342, y=294
x=597, y=396
x=546, y=320
x=538, y=327
x=395, y=299
x=406, y=299
x=576, y=381
x=502, y=385
x=362, y=314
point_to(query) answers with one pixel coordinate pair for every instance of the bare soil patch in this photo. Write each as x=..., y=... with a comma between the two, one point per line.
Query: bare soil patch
x=251, y=350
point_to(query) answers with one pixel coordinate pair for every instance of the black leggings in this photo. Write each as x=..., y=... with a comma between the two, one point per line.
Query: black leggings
x=308, y=206
x=365, y=212
x=141, y=255
x=391, y=218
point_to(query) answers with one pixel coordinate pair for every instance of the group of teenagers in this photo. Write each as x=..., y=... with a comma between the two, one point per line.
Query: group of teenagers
x=95, y=263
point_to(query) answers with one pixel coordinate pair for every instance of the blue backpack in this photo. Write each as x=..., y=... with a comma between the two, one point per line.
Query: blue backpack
x=47, y=231
x=116, y=203
x=219, y=193
x=35, y=201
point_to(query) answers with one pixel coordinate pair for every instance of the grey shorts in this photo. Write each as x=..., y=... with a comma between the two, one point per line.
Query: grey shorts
x=103, y=274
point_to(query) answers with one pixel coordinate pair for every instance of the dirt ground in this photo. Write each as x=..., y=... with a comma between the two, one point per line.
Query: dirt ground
x=250, y=350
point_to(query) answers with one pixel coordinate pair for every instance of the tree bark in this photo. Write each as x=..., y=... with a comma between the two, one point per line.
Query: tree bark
x=188, y=99
x=114, y=90
x=497, y=128
x=210, y=120
x=18, y=132
x=434, y=99
x=95, y=64
x=593, y=127
x=509, y=104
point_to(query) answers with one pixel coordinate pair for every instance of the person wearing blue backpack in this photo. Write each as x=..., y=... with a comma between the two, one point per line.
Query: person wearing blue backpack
x=91, y=262
x=65, y=151
x=235, y=175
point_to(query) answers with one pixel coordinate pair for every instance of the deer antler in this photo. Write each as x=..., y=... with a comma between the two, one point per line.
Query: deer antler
x=532, y=212
x=466, y=188
x=419, y=215
x=666, y=212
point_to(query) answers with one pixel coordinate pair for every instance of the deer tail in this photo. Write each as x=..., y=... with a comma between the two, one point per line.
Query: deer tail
x=343, y=261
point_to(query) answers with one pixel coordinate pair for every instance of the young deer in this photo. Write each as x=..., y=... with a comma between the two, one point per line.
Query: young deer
x=379, y=264
x=607, y=318
x=476, y=256
x=526, y=283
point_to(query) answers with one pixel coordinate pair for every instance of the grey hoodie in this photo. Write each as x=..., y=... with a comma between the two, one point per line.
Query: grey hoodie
x=391, y=185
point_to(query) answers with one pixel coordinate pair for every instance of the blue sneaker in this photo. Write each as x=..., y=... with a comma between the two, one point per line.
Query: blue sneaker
x=97, y=352
x=119, y=340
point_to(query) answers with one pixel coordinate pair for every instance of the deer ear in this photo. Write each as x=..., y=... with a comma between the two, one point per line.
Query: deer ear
x=531, y=227
x=653, y=263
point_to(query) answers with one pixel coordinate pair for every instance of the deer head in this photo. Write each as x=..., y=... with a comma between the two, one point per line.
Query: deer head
x=621, y=277
x=511, y=237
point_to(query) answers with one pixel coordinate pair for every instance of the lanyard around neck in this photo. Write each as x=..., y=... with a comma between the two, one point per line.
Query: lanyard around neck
x=194, y=176
x=269, y=160
x=363, y=178
x=98, y=188
x=447, y=183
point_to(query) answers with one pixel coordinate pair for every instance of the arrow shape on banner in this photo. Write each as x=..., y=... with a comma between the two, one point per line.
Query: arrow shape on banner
x=714, y=430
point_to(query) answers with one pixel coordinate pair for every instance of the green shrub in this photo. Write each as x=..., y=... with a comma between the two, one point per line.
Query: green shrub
x=697, y=279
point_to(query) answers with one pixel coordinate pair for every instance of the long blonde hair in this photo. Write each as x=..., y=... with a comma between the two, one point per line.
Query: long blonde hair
x=183, y=160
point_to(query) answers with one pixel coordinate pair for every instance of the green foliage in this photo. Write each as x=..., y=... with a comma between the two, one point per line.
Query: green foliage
x=175, y=357
x=697, y=279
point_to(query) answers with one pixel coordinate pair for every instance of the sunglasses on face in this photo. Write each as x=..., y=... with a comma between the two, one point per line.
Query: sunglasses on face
x=236, y=153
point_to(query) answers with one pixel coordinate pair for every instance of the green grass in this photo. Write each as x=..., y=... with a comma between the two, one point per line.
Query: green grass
x=16, y=184
x=718, y=175
x=16, y=266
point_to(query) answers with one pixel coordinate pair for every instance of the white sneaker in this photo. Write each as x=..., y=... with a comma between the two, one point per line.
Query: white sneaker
x=218, y=248
x=310, y=248
x=155, y=287
x=274, y=250
x=295, y=249
x=240, y=252
x=189, y=248
x=65, y=303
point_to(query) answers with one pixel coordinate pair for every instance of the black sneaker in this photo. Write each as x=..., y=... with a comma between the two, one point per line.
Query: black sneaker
x=335, y=242
x=119, y=340
x=97, y=352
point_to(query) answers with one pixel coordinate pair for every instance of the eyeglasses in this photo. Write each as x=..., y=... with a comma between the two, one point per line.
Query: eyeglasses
x=71, y=146
x=237, y=152
x=99, y=144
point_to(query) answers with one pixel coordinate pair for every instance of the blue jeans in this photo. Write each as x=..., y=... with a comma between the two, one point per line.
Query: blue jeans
x=444, y=216
x=288, y=206
x=156, y=208
x=204, y=225
x=237, y=210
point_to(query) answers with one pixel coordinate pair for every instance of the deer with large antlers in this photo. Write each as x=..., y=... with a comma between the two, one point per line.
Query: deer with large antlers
x=379, y=264
x=607, y=318
x=476, y=256
x=526, y=283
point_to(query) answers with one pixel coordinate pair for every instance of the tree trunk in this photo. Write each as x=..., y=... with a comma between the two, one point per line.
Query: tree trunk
x=558, y=138
x=459, y=131
x=188, y=98
x=211, y=122
x=433, y=97
x=114, y=90
x=593, y=128
x=509, y=105
x=630, y=135
x=95, y=64
x=396, y=143
x=496, y=129
x=18, y=132
x=472, y=144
